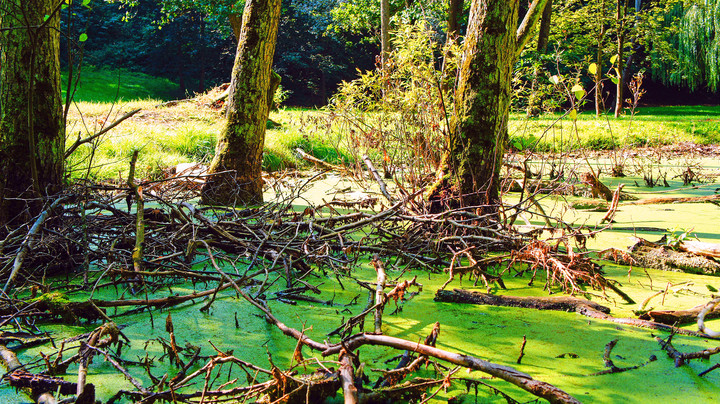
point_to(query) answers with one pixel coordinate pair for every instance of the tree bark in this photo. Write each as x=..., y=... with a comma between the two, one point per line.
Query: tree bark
x=32, y=134
x=469, y=172
x=620, y=87
x=479, y=125
x=544, y=33
x=240, y=147
x=384, y=32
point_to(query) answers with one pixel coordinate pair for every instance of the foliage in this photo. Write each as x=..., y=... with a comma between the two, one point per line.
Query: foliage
x=399, y=116
x=676, y=236
x=699, y=46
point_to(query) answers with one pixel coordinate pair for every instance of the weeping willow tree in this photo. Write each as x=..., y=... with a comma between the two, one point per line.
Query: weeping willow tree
x=685, y=48
x=699, y=45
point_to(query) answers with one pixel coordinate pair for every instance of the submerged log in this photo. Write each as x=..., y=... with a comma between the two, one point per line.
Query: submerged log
x=652, y=255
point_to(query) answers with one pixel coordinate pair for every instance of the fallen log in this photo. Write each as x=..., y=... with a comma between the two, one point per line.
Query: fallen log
x=668, y=199
x=559, y=303
x=679, y=317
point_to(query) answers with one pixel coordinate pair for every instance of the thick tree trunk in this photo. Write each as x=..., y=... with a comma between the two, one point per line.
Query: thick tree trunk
x=238, y=157
x=32, y=136
x=468, y=174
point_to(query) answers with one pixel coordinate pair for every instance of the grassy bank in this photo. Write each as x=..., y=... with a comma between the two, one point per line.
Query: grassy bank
x=183, y=132
x=649, y=126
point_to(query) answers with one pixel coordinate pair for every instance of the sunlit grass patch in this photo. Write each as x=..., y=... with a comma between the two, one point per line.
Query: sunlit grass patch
x=108, y=85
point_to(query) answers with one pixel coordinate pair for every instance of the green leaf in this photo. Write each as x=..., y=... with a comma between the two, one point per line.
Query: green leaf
x=711, y=288
x=592, y=69
x=573, y=114
x=614, y=79
x=86, y=3
x=83, y=37
x=47, y=17
x=613, y=59
x=578, y=90
x=555, y=79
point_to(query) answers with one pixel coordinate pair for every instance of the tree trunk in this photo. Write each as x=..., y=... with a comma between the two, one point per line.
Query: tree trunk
x=32, y=134
x=599, y=108
x=620, y=87
x=455, y=9
x=384, y=32
x=544, y=33
x=468, y=173
x=238, y=157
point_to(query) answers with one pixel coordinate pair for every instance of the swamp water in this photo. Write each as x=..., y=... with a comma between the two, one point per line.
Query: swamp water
x=564, y=349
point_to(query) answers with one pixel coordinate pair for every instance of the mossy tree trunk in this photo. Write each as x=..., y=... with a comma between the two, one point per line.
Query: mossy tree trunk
x=238, y=157
x=469, y=174
x=32, y=134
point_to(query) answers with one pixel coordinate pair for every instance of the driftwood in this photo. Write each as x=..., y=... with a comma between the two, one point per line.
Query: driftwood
x=561, y=303
x=652, y=255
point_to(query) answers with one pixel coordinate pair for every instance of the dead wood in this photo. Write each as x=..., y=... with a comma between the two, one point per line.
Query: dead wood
x=558, y=303
x=38, y=383
x=321, y=163
x=613, y=206
x=378, y=179
x=666, y=200
x=610, y=364
x=379, y=292
x=522, y=380
x=597, y=188
x=700, y=248
x=79, y=142
x=679, y=317
x=28, y=242
x=561, y=303
x=652, y=255
x=681, y=358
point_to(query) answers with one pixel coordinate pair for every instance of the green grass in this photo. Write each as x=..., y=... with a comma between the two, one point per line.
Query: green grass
x=168, y=135
x=650, y=126
x=109, y=85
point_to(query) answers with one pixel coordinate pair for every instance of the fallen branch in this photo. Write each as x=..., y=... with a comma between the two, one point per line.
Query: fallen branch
x=79, y=142
x=28, y=242
x=507, y=373
x=321, y=163
x=378, y=179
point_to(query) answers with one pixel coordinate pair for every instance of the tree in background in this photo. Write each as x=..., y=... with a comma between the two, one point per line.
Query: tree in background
x=469, y=173
x=32, y=133
x=236, y=168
